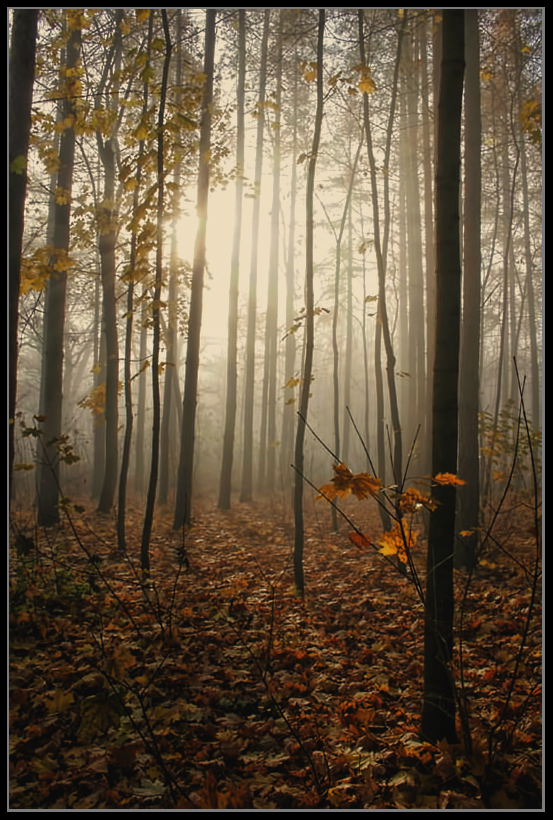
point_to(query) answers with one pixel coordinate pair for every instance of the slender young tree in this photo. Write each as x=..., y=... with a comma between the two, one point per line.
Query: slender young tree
x=288, y=415
x=267, y=460
x=438, y=716
x=246, y=490
x=51, y=391
x=171, y=395
x=21, y=79
x=107, y=238
x=183, y=501
x=225, y=483
x=380, y=245
x=129, y=415
x=156, y=308
x=299, y=577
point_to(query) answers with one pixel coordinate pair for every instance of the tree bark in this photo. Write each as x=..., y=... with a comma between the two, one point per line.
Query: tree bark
x=267, y=474
x=156, y=309
x=225, y=482
x=183, y=501
x=51, y=399
x=129, y=415
x=438, y=716
x=246, y=491
x=21, y=79
x=299, y=578
x=381, y=248
x=469, y=382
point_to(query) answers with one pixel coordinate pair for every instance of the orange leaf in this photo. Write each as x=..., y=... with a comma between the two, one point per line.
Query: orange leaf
x=359, y=540
x=345, y=482
x=412, y=500
x=448, y=478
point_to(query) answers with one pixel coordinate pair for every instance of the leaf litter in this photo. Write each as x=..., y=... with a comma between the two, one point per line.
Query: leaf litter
x=210, y=684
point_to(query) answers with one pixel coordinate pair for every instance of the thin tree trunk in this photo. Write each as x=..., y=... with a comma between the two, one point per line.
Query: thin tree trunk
x=156, y=308
x=140, y=444
x=299, y=578
x=535, y=403
x=288, y=415
x=381, y=249
x=183, y=502
x=129, y=416
x=268, y=409
x=427, y=115
x=349, y=341
x=246, y=491
x=416, y=364
x=225, y=482
x=438, y=716
x=21, y=79
x=170, y=384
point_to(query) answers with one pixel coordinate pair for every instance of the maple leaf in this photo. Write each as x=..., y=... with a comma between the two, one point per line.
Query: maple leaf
x=448, y=479
x=361, y=485
x=394, y=542
x=412, y=500
x=366, y=84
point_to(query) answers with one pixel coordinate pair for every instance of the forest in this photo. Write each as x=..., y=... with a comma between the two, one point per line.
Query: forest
x=275, y=409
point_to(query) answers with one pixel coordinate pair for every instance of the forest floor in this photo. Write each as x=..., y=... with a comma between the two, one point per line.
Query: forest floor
x=213, y=685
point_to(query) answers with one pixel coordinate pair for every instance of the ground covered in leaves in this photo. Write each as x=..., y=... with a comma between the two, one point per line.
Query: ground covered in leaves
x=212, y=684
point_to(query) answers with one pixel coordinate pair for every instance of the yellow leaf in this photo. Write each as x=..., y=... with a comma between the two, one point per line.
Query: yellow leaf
x=61, y=196
x=59, y=701
x=395, y=542
x=366, y=84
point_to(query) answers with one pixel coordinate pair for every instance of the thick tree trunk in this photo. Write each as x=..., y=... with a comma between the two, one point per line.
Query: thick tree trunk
x=438, y=717
x=51, y=399
x=22, y=74
x=183, y=502
x=469, y=382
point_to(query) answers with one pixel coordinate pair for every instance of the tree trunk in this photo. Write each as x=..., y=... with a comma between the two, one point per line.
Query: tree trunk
x=267, y=461
x=438, y=716
x=289, y=413
x=469, y=382
x=129, y=415
x=416, y=363
x=246, y=490
x=225, y=483
x=170, y=384
x=140, y=445
x=183, y=505
x=381, y=248
x=22, y=74
x=54, y=317
x=156, y=309
x=309, y=321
